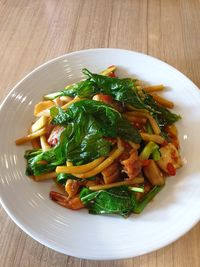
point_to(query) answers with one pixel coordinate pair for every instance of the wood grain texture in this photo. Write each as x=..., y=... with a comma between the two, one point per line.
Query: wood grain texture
x=33, y=32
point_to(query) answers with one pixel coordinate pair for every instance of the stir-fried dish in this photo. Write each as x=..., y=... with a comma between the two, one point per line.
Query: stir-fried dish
x=110, y=143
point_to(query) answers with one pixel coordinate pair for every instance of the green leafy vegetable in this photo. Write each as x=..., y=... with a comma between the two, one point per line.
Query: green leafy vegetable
x=83, y=89
x=85, y=142
x=108, y=121
x=59, y=116
x=80, y=142
x=39, y=161
x=117, y=200
x=86, y=124
x=124, y=90
x=162, y=115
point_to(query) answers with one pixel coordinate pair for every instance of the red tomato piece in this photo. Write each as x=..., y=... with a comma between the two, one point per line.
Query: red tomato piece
x=112, y=75
x=106, y=98
x=171, y=170
x=53, y=138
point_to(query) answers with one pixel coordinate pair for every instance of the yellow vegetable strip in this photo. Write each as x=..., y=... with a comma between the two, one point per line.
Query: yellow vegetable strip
x=43, y=142
x=107, y=162
x=58, y=101
x=42, y=106
x=45, y=176
x=120, y=143
x=152, y=137
x=107, y=186
x=80, y=169
x=136, y=119
x=69, y=163
x=45, y=112
x=41, y=122
x=172, y=130
x=107, y=71
x=76, y=99
x=153, y=88
x=152, y=121
x=31, y=136
x=154, y=124
x=134, y=145
x=162, y=101
x=66, y=98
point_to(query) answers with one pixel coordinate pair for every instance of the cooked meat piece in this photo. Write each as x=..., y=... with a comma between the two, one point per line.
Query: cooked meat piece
x=170, y=159
x=153, y=173
x=111, y=173
x=53, y=138
x=71, y=187
x=132, y=166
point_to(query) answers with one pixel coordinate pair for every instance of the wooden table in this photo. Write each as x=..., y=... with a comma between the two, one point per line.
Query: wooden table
x=32, y=32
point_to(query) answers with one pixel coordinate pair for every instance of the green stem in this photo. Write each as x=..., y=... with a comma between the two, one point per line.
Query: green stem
x=148, y=149
x=147, y=198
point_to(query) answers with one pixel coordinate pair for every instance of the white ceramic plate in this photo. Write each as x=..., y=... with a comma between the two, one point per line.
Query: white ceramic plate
x=173, y=212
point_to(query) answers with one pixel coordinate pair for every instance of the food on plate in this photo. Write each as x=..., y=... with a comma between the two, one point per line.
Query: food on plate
x=109, y=142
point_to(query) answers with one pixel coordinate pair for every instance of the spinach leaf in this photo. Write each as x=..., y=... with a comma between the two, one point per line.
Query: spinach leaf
x=63, y=177
x=108, y=121
x=162, y=115
x=124, y=90
x=117, y=200
x=85, y=142
x=39, y=161
x=59, y=116
x=83, y=89
x=80, y=142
